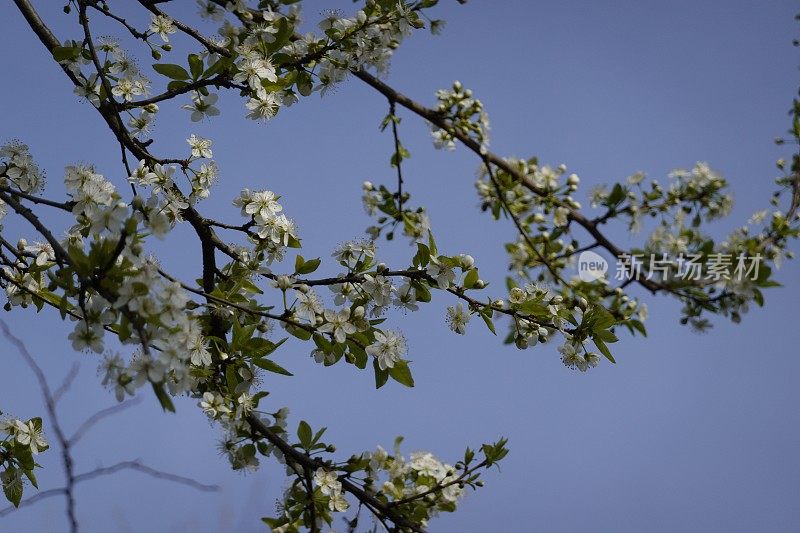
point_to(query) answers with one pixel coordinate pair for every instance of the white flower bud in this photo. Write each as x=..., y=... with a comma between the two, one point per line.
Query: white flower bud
x=573, y=180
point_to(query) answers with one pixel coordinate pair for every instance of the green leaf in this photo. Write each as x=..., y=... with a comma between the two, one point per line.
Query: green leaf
x=271, y=366
x=309, y=266
x=471, y=278
x=489, y=323
x=638, y=326
x=381, y=376
x=616, y=196
x=301, y=266
x=218, y=67
x=163, y=397
x=604, y=350
x=260, y=347
x=64, y=53
x=318, y=435
x=402, y=374
x=31, y=477
x=195, y=66
x=231, y=378
x=176, y=72
x=304, y=434
x=175, y=85
x=304, y=83
x=301, y=333
x=605, y=336
x=12, y=487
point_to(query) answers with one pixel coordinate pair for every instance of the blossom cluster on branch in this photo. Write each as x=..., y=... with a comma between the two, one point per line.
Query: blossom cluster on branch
x=213, y=339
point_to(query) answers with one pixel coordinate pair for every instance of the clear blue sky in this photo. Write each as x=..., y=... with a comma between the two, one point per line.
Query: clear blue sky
x=687, y=432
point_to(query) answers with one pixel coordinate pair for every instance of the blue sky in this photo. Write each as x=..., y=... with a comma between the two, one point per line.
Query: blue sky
x=687, y=432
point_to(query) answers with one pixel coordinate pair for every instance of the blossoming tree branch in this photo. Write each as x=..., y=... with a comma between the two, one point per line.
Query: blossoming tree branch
x=212, y=338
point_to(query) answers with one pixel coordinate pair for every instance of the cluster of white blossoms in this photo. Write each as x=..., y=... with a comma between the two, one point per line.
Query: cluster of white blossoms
x=554, y=193
x=421, y=474
x=20, y=442
x=273, y=229
x=330, y=486
x=366, y=40
x=215, y=349
x=700, y=190
x=153, y=309
x=254, y=69
x=173, y=335
x=164, y=208
x=373, y=39
x=464, y=114
x=19, y=170
x=28, y=434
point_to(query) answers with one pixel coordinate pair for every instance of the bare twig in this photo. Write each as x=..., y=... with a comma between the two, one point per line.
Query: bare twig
x=90, y=422
x=67, y=444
